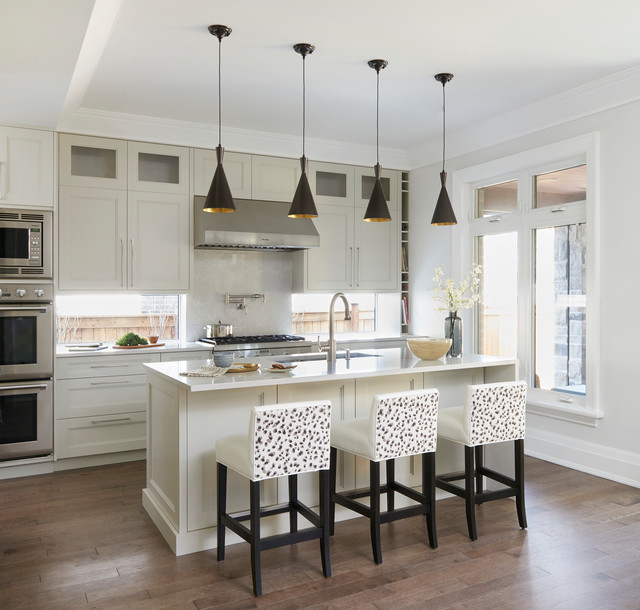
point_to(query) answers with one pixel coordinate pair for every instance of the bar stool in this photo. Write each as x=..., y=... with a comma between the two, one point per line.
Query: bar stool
x=492, y=413
x=400, y=424
x=284, y=440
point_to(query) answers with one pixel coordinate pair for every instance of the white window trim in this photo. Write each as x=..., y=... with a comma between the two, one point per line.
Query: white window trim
x=580, y=149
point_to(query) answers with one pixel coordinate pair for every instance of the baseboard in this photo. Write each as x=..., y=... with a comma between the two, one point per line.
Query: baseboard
x=599, y=460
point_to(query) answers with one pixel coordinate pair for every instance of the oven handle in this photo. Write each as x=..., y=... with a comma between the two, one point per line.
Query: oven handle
x=18, y=308
x=40, y=386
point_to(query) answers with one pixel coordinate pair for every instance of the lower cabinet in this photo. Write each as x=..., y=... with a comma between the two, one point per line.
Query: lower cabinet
x=100, y=402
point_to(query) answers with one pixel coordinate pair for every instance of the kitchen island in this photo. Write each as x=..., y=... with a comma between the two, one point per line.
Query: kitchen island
x=187, y=414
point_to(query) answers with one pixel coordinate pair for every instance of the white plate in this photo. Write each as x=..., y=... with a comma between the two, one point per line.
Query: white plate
x=286, y=369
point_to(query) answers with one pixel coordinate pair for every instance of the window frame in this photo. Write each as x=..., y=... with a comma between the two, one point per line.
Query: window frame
x=524, y=221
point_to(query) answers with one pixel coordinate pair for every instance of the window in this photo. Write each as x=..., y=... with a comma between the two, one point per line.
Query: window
x=530, y=228
x=106, y=318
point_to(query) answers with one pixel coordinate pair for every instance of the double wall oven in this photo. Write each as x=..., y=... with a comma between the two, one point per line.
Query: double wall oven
x=26, y=337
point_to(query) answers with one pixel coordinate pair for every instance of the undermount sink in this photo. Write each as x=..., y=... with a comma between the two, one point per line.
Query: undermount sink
x=322, y=356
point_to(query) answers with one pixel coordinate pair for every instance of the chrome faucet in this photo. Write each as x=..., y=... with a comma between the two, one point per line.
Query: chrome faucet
x=331, y=355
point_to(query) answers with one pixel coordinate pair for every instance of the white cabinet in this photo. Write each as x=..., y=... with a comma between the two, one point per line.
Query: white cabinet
x=100, y=404
x=93, y=162
x=26, y=167
x=109, y=243
x=274, y=178
x=237, y=169
x=354, y=255
x=159, y=234
x=158, y=168
x=92, y=239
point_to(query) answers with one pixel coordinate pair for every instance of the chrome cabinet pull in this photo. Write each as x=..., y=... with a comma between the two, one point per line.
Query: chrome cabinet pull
x=110, y=421
x=358, y=267
x=109, y=382
x=342, y=402
x=556, y=210
x=133, y=243
x=39, y=386
x=122, y=261
x=109, y=366
x=412, y=384
x=350, y=267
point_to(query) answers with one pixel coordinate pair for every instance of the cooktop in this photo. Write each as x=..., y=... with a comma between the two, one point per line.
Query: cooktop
x=252, y=339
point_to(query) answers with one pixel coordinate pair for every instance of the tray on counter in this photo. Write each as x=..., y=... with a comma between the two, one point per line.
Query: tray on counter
x=137, y=346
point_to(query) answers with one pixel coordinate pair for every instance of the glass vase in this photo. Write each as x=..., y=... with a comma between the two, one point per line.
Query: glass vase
x=453, y=331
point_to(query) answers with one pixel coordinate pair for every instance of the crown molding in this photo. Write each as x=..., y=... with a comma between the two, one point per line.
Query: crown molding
x=600, y=95
x=201, y=135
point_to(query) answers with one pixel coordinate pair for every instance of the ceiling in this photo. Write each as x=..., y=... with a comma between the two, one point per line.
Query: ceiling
x=155, y=60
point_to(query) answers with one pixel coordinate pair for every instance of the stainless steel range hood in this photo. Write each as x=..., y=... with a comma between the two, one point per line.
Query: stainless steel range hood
x=255, y=225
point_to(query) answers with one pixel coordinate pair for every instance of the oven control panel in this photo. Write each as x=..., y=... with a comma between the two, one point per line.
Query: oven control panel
x=34, y=293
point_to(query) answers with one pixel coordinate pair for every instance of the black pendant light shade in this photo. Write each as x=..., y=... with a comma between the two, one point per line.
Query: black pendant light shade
x=219, y=198
x=377, y=210
x=443, y=213
x=303, y=205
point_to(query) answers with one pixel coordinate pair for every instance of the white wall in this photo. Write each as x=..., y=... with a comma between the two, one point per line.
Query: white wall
x=612, y=448
x=217, y=272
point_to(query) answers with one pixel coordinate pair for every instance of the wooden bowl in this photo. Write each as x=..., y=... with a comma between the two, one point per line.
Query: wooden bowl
x=429, y=348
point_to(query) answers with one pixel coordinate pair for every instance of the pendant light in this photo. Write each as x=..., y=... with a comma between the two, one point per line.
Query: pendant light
x=443, y=213
x=219, y=198
x=303, y=205
x=377, y=210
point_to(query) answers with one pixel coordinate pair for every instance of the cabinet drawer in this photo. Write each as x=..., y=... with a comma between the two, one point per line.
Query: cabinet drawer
x=81, y=436
x=102, y=396
x=102, y=366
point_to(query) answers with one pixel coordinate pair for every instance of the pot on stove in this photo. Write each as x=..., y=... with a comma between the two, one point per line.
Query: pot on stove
x=214, y=331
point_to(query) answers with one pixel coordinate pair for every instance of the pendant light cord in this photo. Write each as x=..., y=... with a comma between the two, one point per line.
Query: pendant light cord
x=304, y=107
x=443, y=126
x=219, y=93
x=378, y=116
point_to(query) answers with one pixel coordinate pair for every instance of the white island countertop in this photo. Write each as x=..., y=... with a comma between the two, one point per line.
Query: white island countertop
x=393, y=361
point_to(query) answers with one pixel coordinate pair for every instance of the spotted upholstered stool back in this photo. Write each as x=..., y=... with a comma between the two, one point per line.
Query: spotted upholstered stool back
x=283, y=440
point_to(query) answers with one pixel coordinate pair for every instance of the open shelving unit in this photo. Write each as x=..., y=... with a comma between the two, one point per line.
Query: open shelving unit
x=405, y=309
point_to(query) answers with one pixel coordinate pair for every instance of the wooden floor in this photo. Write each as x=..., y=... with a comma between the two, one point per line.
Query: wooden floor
x=80, y=539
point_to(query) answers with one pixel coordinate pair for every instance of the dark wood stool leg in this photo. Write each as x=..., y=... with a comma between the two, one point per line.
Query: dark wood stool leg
x=293, y=497
x=470, y=495
x=222, y=507
x=479, y=450
x=429, y=492
x=254, y=502
x=518, y=449
x=325, y=493
x=332, y=503
x=391, y=477
x=374, y=521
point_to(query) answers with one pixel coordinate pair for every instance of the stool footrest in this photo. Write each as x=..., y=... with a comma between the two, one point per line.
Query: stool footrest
x=496, y=476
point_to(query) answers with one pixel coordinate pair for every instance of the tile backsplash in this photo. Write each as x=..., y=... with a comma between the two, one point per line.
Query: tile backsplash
x=218, y=272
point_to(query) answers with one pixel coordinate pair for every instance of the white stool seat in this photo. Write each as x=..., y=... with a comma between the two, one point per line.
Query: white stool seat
x=233, y=451
x=353, y=436
x=450, y=425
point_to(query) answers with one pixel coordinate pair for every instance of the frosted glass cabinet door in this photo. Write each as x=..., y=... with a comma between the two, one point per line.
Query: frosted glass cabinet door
x=158, y=168
x=332, y=183
x=26, y=167
x=237, y=169
x=158, y=247
x=92, y=234
x=93, y=162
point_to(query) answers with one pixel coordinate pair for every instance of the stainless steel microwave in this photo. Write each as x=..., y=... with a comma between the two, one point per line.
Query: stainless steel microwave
x=26, y=247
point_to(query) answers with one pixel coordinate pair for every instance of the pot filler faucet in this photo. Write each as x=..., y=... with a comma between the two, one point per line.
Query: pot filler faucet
x=331, y=355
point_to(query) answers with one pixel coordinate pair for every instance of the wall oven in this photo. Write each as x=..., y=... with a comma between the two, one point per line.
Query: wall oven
x=26, y=369
x=26, y=244
x=26, y=419
x=26, y=331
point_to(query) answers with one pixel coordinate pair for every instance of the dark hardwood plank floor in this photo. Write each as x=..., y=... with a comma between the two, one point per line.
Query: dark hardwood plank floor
x=80, y=539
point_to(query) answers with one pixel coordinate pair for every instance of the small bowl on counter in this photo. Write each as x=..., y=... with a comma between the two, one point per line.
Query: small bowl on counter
x=429, y=348
x=224, y=359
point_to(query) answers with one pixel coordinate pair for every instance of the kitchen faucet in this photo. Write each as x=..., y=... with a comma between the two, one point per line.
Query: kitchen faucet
x=331, y=355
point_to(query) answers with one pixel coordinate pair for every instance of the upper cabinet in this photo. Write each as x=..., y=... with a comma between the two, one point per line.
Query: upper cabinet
x=274, y=178
x=353, y=255
x=26, y=167
x=158, y=168
x=237, y=169
x=93, y=162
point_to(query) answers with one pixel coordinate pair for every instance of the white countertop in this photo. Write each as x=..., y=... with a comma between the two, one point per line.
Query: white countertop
x=393, y=361
x=169, y=346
